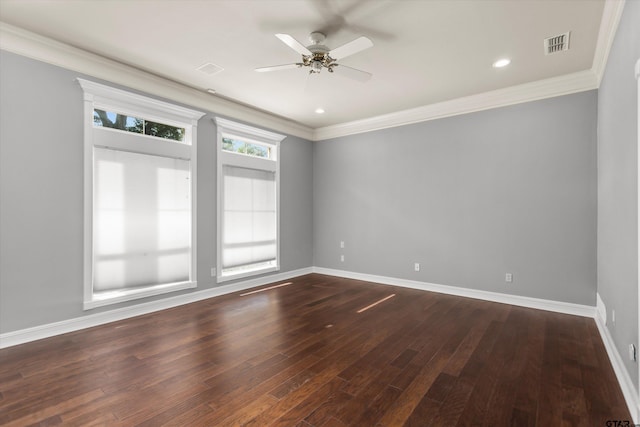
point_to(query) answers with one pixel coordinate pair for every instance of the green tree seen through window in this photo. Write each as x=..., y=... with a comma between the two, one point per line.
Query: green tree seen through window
x=247, y=148
x=126, y=123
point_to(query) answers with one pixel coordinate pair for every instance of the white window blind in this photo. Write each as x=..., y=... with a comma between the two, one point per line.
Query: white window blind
x=249, y=217
x=142, y=220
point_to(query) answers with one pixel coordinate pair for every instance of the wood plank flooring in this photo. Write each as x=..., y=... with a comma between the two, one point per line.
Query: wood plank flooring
x=301, y=355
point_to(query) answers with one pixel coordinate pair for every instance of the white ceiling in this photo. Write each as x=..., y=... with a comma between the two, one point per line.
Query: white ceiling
x=425, y=51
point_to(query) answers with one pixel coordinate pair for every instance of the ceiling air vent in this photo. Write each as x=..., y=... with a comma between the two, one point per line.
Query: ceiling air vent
x=557, y=43
x=210, y=68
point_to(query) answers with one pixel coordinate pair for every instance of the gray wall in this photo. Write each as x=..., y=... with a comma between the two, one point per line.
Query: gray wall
x=41, y=196
x=470, y=198
x=617, y=185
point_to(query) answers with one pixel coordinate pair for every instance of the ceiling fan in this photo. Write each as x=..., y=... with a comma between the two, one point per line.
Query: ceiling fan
x=317, y=56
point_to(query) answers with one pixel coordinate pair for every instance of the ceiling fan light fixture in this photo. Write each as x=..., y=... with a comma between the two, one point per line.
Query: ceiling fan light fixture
x=316, y=66
x=500, y=63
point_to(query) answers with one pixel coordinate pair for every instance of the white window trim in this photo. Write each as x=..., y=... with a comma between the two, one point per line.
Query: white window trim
x=229, y=129
x=104, y=97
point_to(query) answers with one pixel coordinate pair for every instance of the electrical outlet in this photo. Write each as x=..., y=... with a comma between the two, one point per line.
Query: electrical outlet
x=341, y=258
x=213, y=272
x=632, y=352
x=342, y=244
x=416, y=266
x=508, y=277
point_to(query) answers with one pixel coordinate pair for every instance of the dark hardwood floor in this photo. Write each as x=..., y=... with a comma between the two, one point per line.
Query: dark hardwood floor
x=302, y=355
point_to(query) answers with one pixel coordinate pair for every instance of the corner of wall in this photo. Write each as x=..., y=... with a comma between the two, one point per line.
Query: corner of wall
x=608, y=27
x=624, y=379
x=601, y=309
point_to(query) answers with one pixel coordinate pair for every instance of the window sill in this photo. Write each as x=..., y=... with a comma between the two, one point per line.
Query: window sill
x=115, y=297
x=241, y=275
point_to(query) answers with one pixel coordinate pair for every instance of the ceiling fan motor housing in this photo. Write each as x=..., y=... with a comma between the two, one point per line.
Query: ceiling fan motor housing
x=316, y=46
x=317, y=37
x=320, y=58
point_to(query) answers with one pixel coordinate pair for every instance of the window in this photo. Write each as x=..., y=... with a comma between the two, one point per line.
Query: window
x=121, y=121
x=248, y=200
x=247, y=148
x=140, y=187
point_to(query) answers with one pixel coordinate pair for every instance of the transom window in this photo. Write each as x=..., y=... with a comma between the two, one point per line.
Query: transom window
x=124, y=122
x=247, y=148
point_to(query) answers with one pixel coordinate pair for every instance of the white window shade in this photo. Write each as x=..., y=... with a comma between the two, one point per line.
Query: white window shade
x=142, y=220
x=249, y=217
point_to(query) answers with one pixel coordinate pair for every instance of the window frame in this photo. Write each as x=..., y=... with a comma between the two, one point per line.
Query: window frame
x=248, y=134
x=99, y=96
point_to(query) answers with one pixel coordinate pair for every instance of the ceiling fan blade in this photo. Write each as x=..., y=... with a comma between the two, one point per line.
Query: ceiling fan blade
x=294, y=44
x=352, y=73
x=355, y=46
x=278, y=67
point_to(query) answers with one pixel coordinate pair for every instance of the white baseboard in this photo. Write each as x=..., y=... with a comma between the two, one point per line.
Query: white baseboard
x=626, y=384
x=541, y=304
x=49, y=330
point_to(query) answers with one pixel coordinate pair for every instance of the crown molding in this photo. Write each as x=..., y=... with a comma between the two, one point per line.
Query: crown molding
x=548, y=88
x=541, y=89
x=34, y=46
x=611, y=15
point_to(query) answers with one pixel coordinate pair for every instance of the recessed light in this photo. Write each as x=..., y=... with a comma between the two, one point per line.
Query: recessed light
x=501, y=63
x=319, y=111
